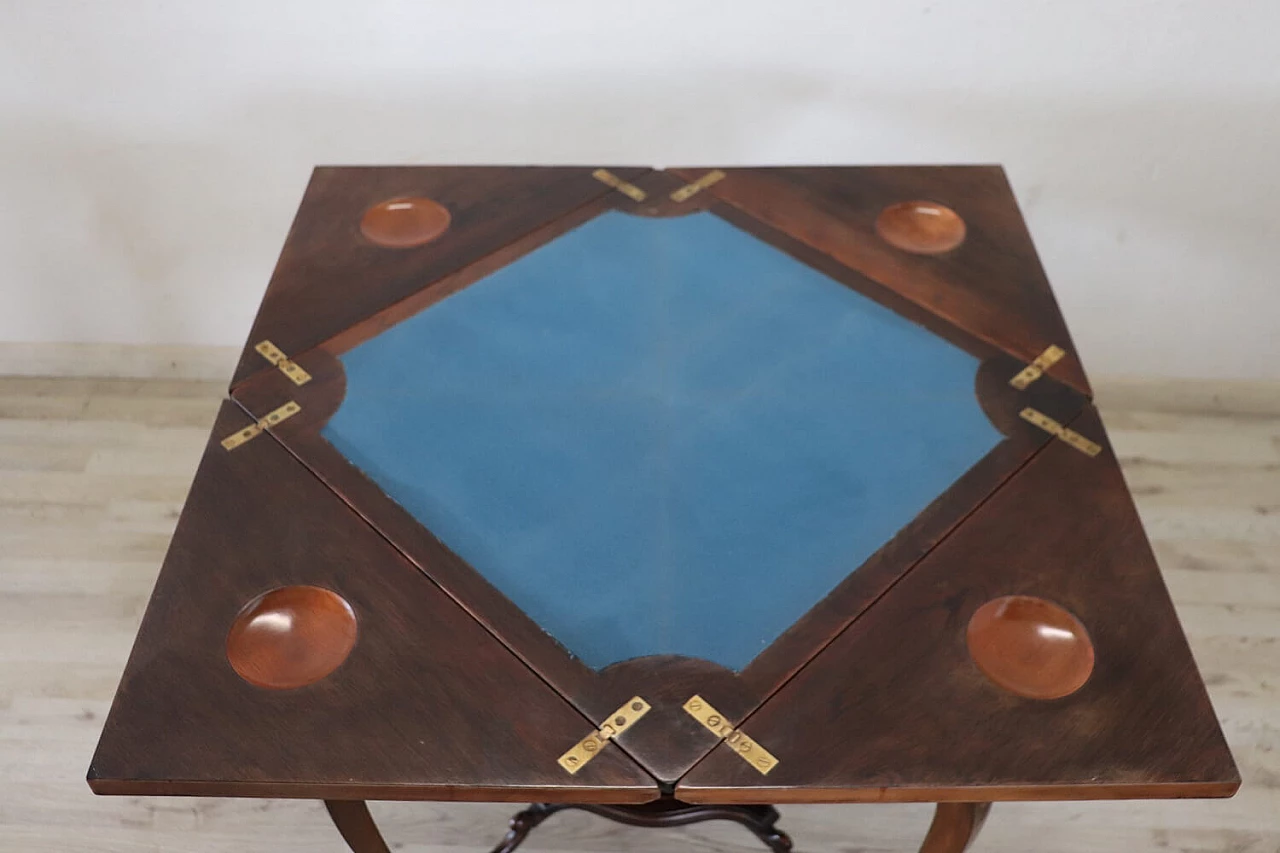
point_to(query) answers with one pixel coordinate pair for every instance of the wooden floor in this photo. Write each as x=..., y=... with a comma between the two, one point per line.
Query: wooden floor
x=93, y=472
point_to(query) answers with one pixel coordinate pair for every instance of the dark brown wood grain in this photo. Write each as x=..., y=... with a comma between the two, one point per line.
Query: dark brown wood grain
x=427, y=706
x=896, y=710
x=330, y=276
x=992, y=285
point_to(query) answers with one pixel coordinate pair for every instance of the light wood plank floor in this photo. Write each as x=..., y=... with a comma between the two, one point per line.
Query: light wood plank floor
x=92, y=475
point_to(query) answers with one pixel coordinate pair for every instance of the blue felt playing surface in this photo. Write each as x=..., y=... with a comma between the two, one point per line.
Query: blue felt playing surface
x=661, y=436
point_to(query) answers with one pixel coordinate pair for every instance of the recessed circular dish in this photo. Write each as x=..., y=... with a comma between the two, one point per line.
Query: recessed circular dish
x=920, y=227
x=1030, y=647
x=401, y=223
x=291, y=637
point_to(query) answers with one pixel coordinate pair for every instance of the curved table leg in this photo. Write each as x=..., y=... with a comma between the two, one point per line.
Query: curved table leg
x=954, y=827
x=353, y=820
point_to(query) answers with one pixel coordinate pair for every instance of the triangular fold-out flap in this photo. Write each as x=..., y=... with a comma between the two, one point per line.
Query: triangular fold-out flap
x=990, y=284
x=366, y=237
x=899, y=708
x=425, y=705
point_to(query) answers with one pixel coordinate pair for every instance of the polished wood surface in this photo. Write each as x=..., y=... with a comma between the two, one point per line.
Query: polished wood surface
x=402, y=223
x=1030, y=646
x=921, y=227
x=93, y=473
x=936, y=728
x=291, y=637
x=428, y=705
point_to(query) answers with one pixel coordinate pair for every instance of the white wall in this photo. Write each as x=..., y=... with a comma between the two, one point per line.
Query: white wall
x=152, y=153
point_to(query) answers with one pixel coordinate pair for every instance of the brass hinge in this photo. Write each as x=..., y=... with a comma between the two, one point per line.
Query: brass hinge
x=236, y=439
x=276, y=356
x=750, y=751
x=688, y=191
x=631, y=191
x=1070, y=436
x=1036, y=369
x=619, y=721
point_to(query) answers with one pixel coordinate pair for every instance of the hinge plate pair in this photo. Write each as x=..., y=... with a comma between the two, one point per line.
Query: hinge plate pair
x=1036, y=369
x=608, y=178
x=287, y=366
x=619, y=721
x=697, y=707
x=634, y=193
x=252, y=431
x=1070, y=436
x=746, y=748
x=688, y=191
x=1033, y=371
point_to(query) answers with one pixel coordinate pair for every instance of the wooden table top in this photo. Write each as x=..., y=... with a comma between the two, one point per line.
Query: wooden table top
x=594, y=485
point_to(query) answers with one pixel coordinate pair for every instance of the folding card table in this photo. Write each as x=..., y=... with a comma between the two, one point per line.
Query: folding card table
x=671, y=495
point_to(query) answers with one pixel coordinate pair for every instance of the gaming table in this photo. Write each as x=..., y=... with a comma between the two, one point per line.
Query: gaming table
x=670, y=495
